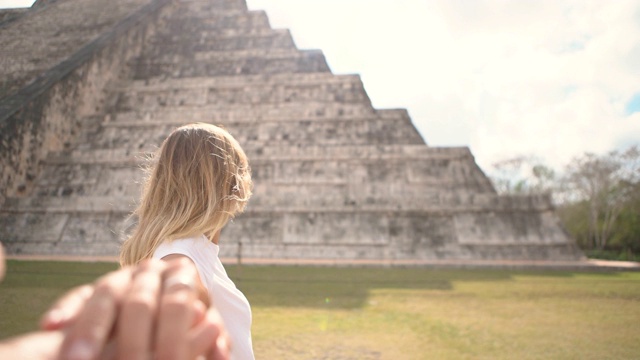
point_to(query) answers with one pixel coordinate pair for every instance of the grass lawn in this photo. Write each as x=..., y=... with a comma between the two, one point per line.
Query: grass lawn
x=403, y=313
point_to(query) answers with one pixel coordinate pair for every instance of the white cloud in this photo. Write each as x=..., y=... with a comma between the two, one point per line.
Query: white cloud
x=548, y=78
x=15, y=3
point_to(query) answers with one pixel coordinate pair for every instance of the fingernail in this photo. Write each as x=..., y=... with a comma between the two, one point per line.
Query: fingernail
x=54, y=316
x=80, y=350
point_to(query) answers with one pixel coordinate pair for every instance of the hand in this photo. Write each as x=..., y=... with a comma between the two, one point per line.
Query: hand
x=139, y=312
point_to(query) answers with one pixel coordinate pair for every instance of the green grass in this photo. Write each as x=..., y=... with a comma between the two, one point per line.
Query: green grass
x=30, y=287
x=404, y=313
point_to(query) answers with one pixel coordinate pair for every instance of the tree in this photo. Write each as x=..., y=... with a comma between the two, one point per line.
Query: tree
x=522, y=175
x=604, y=183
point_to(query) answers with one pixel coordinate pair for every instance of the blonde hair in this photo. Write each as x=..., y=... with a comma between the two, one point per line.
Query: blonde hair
x=199, y=180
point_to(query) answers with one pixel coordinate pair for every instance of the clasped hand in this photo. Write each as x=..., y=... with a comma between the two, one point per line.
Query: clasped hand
x=150, y=311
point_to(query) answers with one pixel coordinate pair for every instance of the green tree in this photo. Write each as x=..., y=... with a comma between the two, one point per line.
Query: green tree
x=597, y=196
x=605, y=183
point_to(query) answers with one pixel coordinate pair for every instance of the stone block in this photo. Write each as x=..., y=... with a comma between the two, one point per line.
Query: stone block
x=508, y=228
x=335, y=229
x=84, y=230
x=257, y=229
x=419, y=235
x=41, y=226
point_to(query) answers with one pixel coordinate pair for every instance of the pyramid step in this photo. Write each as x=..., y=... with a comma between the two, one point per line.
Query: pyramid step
x=200, y=87
x=222, y=82
x=92, y=179
x=258, y=93
x=318, y=197
x=121, y=157
x=177, y=116
x=117, y=173
x=99, y=180
x=211, y=6
x=61, y=233
x=291, y=233
x=66, y=171
x=213, y=64
x=96, y=174
x=245, y=114
x=211, y=32
x=238, y=55
x=215, y=41
x=364, y=131
x=69, y=204
x=219, y=21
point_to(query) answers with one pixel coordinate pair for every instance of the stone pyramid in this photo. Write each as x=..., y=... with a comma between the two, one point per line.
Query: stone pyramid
x=90, y=86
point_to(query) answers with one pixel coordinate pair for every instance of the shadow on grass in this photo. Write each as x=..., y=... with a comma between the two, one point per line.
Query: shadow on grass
x=349, y=287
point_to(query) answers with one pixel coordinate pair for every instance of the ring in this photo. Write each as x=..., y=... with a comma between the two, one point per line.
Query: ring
x=176, y=282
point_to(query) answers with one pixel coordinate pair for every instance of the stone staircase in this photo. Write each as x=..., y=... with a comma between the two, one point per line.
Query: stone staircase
x=334, y=177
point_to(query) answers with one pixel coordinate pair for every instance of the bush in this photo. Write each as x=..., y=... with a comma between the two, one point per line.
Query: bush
x=621, y=255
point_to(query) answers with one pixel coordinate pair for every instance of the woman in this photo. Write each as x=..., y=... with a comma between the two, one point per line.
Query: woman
x=199, y=181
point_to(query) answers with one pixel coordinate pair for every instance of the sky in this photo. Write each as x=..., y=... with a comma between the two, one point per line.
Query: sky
x=546, y=79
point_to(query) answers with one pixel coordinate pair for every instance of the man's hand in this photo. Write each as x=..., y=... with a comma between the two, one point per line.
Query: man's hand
x=148, y=311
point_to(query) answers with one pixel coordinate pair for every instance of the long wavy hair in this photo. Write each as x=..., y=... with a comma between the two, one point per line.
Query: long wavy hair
x=197, y=181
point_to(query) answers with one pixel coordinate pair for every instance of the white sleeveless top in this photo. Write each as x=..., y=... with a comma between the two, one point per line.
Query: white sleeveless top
x=230, y=302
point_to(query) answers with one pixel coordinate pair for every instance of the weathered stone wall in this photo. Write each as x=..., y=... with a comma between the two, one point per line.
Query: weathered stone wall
x=7, y=15
x=45, y=36
x=47, y=114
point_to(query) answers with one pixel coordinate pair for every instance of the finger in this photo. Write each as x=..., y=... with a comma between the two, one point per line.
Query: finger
x=88, y=334
x=222, y=350
x=110, y=351
x=138, y=311
x=176, y=311
x=203, y=336
x=199, y=313
x=174, y=260
x=65, y=310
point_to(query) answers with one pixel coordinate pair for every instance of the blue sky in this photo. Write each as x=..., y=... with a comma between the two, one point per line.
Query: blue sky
x=633, y=106
x=549, y=79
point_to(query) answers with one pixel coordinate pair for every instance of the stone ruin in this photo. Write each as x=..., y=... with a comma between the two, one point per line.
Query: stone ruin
x=89, y=86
